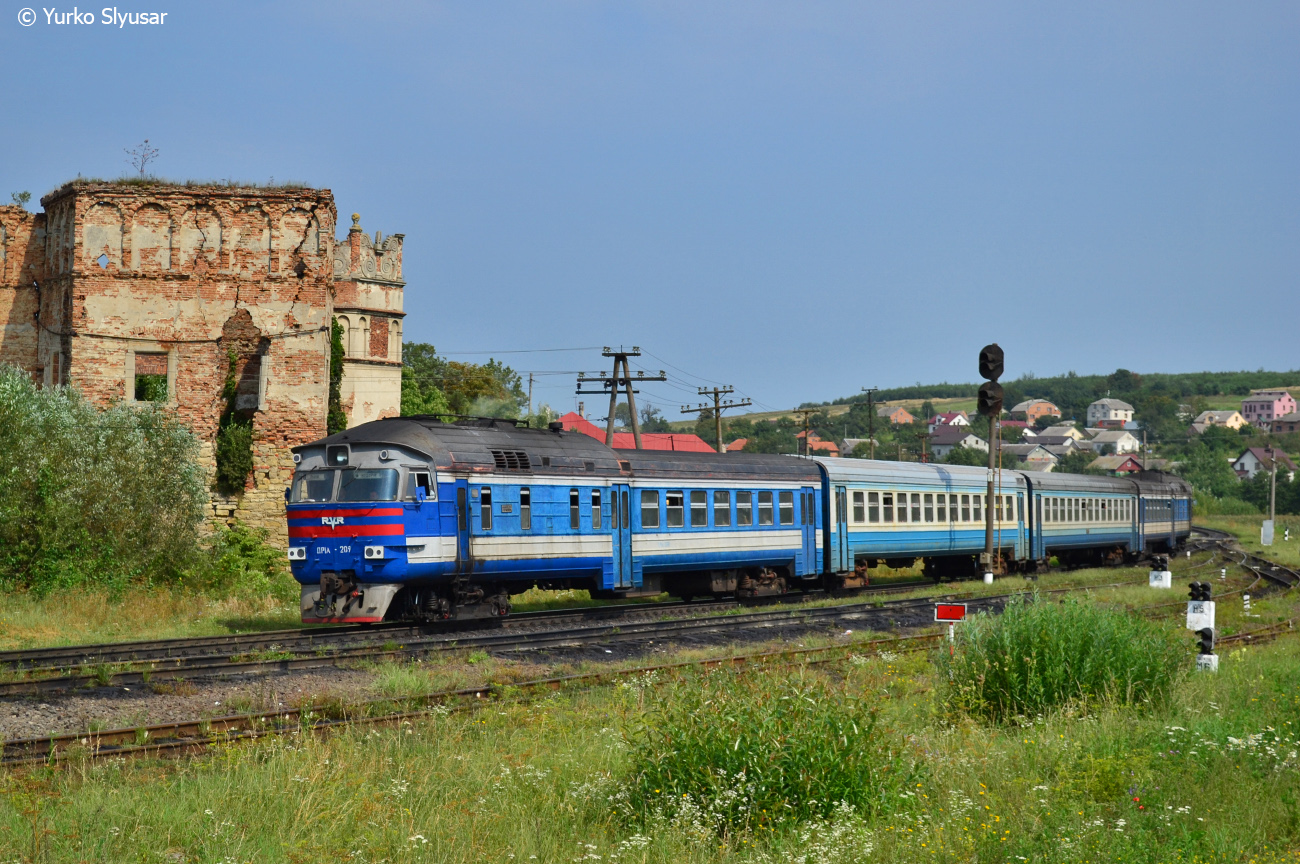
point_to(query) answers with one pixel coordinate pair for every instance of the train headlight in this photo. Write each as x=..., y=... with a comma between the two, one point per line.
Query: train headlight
x=297, y=553
x=373, y=552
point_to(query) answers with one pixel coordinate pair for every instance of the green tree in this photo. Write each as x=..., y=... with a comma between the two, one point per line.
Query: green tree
x=436, y=385
x=1076, y=462
x=653, y=421
x=967, y=456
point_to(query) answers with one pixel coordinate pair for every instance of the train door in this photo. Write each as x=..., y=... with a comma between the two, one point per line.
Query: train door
x=464, y=556
x=621, y=525
x=1022, y=547
x=808, y=524
x=843, y=557
x=1141, y=525
x=1036, y=521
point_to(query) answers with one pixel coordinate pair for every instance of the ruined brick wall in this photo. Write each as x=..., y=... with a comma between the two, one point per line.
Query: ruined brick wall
x=139, y=276
x=368, y=299
x=22, y=258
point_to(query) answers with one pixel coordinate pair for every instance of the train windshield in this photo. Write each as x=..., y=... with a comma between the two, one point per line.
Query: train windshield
x=368, y=484
x=313, y=486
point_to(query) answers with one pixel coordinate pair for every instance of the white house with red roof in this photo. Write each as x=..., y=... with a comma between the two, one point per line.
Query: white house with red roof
x=948, y=418
x=1257, y=459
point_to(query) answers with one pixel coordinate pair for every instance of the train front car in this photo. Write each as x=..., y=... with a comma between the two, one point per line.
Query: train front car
x=411, y=518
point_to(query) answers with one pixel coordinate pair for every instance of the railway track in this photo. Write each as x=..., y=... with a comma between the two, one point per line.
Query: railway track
x=195, y=735
x=304, y=640
x=422, y=645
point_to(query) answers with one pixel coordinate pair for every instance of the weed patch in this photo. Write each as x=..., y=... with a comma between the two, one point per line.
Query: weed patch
x=1039, y=656
x=731, y=752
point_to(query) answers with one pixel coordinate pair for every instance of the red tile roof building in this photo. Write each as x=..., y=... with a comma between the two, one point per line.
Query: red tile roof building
x=680, y=441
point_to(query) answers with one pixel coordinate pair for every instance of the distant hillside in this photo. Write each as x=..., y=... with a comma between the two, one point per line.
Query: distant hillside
x=1072, y=393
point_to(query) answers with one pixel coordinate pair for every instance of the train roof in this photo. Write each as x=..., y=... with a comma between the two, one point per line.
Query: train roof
x=879, y=471
x=482, y=445
x=1050, y=481
x=720, y=466
x=486, y=445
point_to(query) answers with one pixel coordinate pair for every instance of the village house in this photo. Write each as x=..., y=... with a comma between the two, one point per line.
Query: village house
x=1287, y=423
x=949, y=418
x=1261, y=407
x=737, y=445
x=1257, y=459
x=1227, y=419
x=1109, y=413
x=816, y=444
x=1066, y=429
x=895, y=414
x=945, y=439
x=1029, y=452
x=1115, y=442
x=848, y=445
x=1032, y=409
x=1120, y=466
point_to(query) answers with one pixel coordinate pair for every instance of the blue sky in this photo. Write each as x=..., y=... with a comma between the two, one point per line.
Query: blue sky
x=799, y=199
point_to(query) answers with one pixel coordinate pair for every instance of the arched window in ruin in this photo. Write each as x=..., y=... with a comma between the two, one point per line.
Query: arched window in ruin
x=347, y=334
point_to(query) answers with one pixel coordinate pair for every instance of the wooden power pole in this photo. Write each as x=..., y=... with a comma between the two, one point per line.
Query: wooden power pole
x=806, y=412
x=612, y=382
x=718, y=407
x=871, y=417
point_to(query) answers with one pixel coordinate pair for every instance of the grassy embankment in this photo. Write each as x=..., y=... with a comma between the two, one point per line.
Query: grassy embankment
x=1164, y=766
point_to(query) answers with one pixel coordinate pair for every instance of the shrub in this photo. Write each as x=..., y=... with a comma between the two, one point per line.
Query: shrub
x=241, y=562
x=234, y=454
x=1037, y=656
x=89, y=495
x=731, y=751
x=1208, y=505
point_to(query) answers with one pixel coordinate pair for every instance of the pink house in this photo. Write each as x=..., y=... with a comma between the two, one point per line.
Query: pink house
x=1262, y=407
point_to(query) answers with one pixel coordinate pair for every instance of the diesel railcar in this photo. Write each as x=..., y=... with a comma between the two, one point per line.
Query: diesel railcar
x=416, y=518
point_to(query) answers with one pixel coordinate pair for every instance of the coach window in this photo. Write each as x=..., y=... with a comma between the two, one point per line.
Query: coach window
x=941, y=504
x=975, y=509
x=888, y=498
x=916, y=506
x=722, y=509
x=595, y=509
x=744, y=509
x=649, y=508
x=785, y=508
x=965, y=508
x=873, y=506
x=676, y=514
x=525, y=508
x=859, y=508
x=485, y=508
x=929, y=507
x=764, y=508
x=1105, y=510
x=575, y=510
x=699, y=509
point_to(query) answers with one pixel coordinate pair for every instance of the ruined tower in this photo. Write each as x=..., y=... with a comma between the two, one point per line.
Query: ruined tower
x=368, y=291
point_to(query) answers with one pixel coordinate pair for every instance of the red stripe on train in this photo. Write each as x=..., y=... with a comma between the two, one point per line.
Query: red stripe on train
x=343, y=511
x=346, y=532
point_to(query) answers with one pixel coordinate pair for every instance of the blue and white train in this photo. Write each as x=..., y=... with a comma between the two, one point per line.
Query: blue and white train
x=414, y=518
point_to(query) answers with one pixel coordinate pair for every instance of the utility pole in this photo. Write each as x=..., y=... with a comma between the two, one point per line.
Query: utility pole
x=871, y=417
x=530, y=394
x=718, y=406
x=610, y=384
x=806, y=412
x=1272, y=490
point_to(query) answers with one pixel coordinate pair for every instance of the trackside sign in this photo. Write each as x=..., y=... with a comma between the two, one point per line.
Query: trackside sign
x=949, y=611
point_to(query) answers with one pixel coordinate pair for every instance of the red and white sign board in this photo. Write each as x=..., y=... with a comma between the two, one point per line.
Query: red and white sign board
x=949, y=611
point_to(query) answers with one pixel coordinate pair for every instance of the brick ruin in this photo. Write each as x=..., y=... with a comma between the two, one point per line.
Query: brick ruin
x=117, y=288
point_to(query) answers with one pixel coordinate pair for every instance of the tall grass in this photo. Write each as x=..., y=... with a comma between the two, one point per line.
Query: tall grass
x=1038, y=656
x=730, y=752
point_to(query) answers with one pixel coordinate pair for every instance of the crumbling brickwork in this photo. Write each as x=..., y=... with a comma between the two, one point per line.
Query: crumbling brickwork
x=195, y=283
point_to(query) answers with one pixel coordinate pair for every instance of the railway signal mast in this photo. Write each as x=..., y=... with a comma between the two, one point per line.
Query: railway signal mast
x=990, y=406
x=610, y=384
x=718, y=407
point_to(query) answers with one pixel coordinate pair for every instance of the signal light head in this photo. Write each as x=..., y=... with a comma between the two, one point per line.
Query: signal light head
x=1205, y=640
